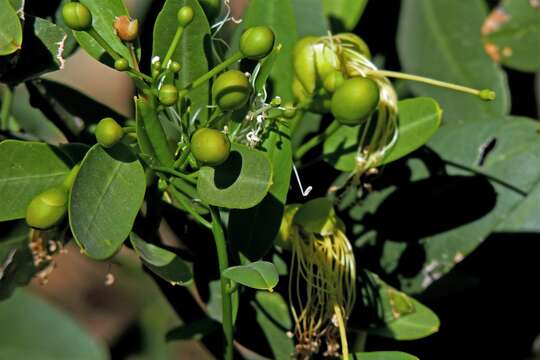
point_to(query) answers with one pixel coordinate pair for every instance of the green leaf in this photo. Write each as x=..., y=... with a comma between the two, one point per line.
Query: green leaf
x=26, y=332
x=103, y=14
x=239, y=183
x=11, y=30
x=476, y=159
x=16, y=261
x=190, y=51
x=163, y=262
x=28, y=168
x=515, y=40
x=383, y=355
x=32, y=120
x=272, y=314
x=437, y=41
x=43, y=40
x=105, y=199
x=254, y=230
x=419, y=119
x=278, y=15
x=344, y=14
x=260, y=275
x=310, y=18
x=194, y=330
x=402, y=317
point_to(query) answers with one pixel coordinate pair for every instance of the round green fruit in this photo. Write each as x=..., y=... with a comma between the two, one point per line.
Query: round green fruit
x=121, y=64
x=168, y=94
x=175, y=67
x=77, y=16
x=256, y=42
x=210, y=146
x=108, y=132
x=48, y=208
x=355, y=100
x=290, y=110
x=231, y=90
x=185, y=15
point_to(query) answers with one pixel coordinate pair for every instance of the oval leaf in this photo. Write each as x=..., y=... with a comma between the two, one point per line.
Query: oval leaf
x=419, y=119
x=32, y=329
x=28, y=168
x=103, y=14
x=164, y=263
x=190, y=51
x=105, y=199
x=515, y=41
x=260, y=275
x=272, y=314
x=11, y=30
x=436, y=40
x=239, y=183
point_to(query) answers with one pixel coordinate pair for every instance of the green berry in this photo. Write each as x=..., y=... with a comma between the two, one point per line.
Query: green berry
x=210, y=146
x=290, y=110
x=47, y=208
x=355, y=100
x=108, y=132
x=257, y=42
x=231, y=90
x=175, y=67
x=333, y=80
x=168, y=94
x=156, y=65
x=77, y=16
x=121, y=64
x=185, y=15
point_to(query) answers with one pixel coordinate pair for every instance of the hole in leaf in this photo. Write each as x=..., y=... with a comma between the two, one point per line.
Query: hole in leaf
x=486, y=149
x=227, y=173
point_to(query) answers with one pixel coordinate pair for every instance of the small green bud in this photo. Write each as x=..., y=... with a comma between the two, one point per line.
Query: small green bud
x=290, y=110
x=487, y=95
x=108, y=132
x=77, y=16
x=175, y=67
x=168, y=94
x=256, y=42
x=121, y=64
x=275, y=102
x=185, y=15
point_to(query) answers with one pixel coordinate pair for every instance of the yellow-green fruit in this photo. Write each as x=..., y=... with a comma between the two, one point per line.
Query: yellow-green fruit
x=108, y=132
x=210, y=146
x=121, y=64
x=231, y=90
x=355, y=100
x=168, y=94
x=256, y=42
x=283, y=236
x=290, y=110
x=77, y=16
x=333, y=80
x=185, y=15
x=304, y=63
x=48, y=208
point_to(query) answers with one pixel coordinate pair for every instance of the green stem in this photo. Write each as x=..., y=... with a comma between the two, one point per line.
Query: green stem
x=173, y=173
x=223, y=259
x=316, y=140
x=103, y=43
x=179, y=163
x=210, y=74
x=342, y=331
x=187, y=206
x=7, y=101
x=140, y=75
x=484, y=94
x=154, y=131
x=172, y=47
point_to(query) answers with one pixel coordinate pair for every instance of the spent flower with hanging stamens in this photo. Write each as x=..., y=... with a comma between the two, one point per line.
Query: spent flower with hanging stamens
x=322, y=282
